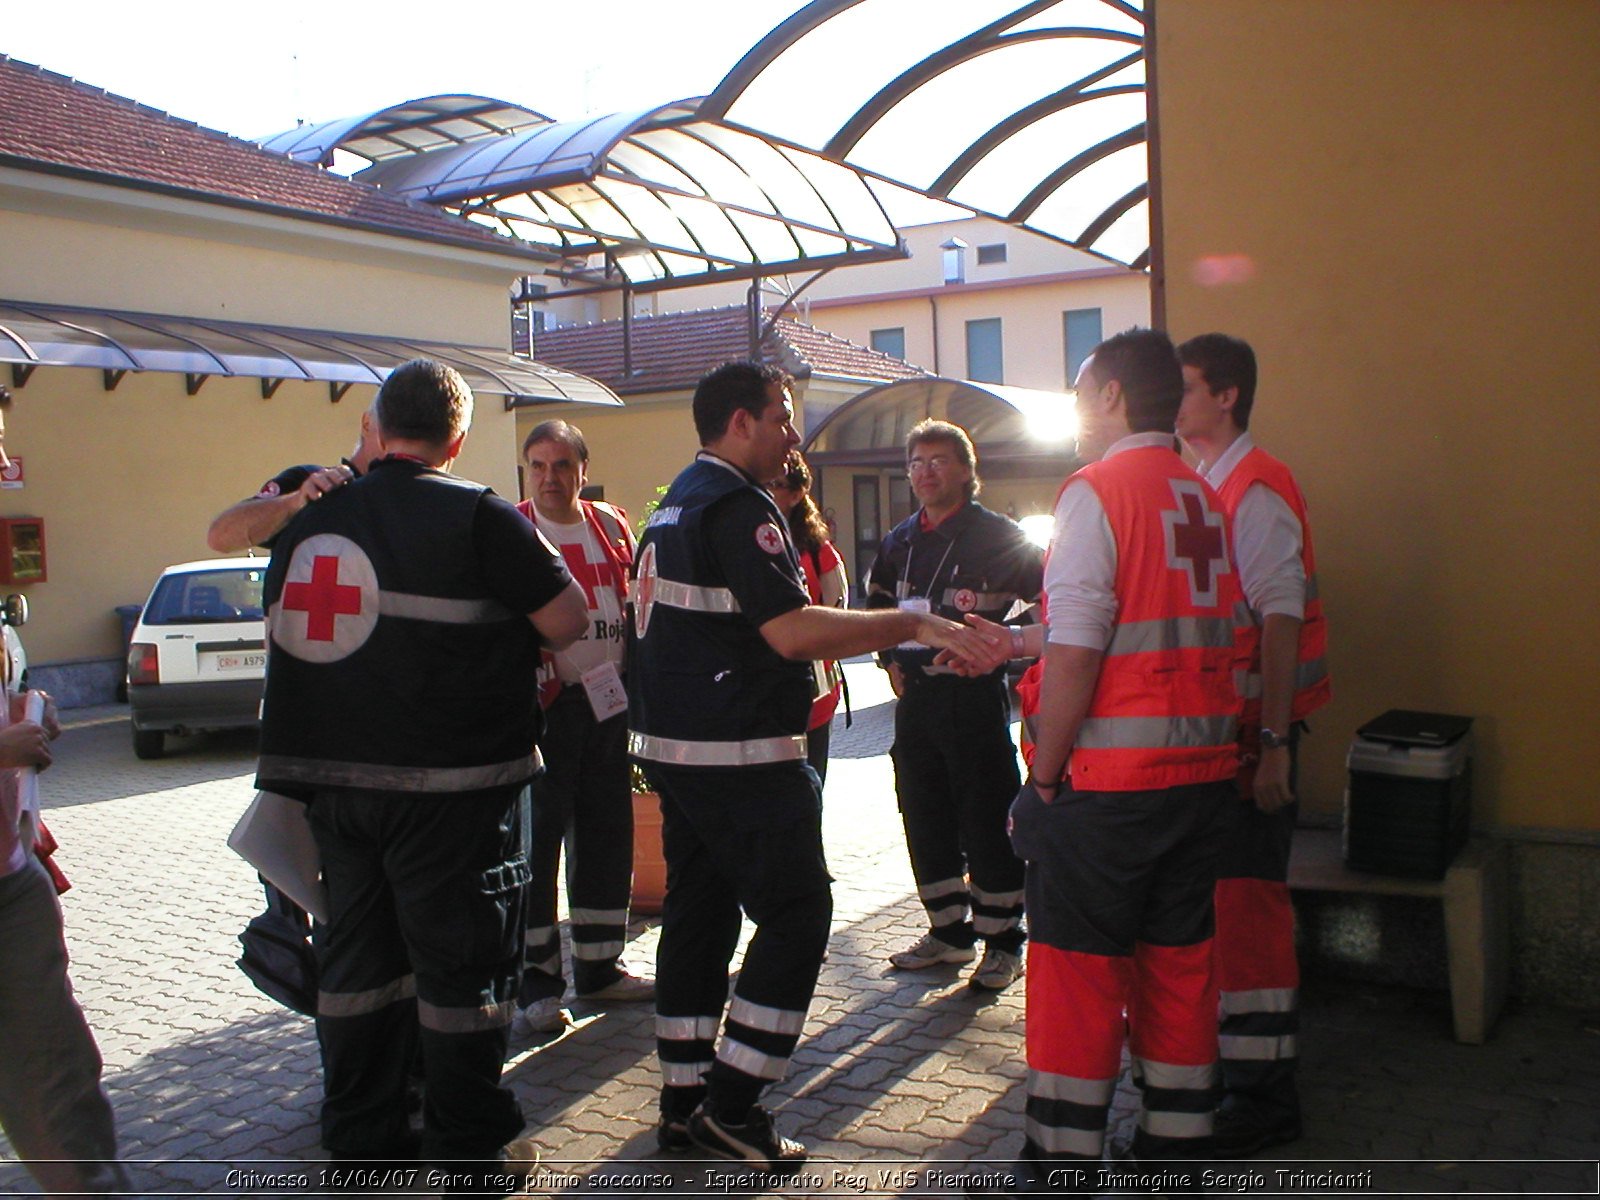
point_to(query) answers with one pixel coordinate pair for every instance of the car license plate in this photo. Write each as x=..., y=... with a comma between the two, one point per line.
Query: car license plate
x=242, y=662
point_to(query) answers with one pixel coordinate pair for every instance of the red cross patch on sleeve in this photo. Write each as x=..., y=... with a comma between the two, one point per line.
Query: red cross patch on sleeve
x=769, y=538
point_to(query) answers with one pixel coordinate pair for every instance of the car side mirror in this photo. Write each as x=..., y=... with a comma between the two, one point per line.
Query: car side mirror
x=15, y=609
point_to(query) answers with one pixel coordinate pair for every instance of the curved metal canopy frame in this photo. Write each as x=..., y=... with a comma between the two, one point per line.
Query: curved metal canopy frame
x=1006, y=423
x=662, y=197
x=116, y=342
x=1068, y=160
x=428, y=123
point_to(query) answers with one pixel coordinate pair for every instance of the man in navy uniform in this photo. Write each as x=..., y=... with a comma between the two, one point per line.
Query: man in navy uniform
x=955, y=766
x=406, y=611
x=719, y=691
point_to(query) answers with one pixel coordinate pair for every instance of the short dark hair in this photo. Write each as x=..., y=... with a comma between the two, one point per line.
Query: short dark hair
x=943, y=431
x=557, y=431
x=1145, y=364
x=730, y=387
x=424, y=401
x=1224, y=362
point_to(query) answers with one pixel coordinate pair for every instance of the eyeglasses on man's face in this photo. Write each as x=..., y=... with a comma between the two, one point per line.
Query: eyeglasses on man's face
x=936, y=462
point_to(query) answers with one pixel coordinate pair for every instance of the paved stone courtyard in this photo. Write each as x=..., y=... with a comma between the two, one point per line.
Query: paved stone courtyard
x=903, y=1085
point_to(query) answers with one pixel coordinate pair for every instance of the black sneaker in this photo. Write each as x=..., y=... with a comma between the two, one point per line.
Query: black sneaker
x=672, y=1135
x=1242, y=1130
x=753, y=1141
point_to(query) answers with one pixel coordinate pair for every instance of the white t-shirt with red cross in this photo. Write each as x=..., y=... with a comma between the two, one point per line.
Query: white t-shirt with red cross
x=600, y=578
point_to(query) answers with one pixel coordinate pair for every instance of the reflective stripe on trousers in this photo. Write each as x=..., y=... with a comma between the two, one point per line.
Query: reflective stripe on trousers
x=1066, y=1115
x=1179, y=1103
x=683, y=1045
x=683, y=753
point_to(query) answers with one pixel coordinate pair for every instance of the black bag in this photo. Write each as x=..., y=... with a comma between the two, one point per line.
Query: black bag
x=278, y=956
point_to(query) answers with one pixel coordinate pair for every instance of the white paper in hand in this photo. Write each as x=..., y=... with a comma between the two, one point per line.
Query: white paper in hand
x=28, y=778
x=274, y=837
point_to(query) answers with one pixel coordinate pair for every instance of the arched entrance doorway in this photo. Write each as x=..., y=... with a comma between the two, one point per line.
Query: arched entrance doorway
x=1024, y=439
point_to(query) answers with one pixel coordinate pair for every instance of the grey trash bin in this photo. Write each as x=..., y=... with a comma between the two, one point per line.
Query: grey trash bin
x=129, y=615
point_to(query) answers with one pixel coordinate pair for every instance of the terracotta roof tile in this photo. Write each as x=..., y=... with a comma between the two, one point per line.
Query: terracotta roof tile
x=673, y=350
x=51, y=122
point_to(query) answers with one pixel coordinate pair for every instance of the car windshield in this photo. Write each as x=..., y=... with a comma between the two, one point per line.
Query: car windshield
x=207, y=597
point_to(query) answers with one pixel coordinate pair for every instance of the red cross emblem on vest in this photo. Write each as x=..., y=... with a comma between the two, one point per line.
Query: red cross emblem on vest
x=322, y=599
x=590, y=575
x=329, y=604
x=1196, y=540
x=646, y=598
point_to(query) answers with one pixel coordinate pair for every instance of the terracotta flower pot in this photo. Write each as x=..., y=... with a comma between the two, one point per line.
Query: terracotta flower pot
x=649, y=862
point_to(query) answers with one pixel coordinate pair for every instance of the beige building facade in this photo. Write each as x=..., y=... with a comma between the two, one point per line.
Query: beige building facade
x=126, y=470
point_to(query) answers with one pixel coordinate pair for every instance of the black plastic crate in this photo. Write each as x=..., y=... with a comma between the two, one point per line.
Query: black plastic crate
x=1409, y=798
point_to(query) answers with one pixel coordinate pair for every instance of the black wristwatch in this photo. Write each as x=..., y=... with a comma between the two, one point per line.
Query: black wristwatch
x=1273, y=741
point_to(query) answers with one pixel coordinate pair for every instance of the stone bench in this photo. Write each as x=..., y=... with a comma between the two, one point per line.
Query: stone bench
x=1475, y=893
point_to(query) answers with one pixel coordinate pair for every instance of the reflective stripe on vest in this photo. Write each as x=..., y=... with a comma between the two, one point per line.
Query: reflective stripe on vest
x=441, y=609
x=319, y=772
x=1152, y=733
x=1164, y=712
x=1172, y=633
x=1307, y=675
x=978, y=601
x=1312, y=688
x=696, y=599
x=679, y=752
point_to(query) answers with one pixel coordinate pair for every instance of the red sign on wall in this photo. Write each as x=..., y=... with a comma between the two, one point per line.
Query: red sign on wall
x=11, y=474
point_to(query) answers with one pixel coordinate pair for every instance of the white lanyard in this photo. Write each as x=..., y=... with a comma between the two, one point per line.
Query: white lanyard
x=903, y=588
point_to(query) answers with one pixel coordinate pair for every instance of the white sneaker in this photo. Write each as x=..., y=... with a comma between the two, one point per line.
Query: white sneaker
x=998, y=971
x=542, y=1016
x=930, y=951
x=626, y=986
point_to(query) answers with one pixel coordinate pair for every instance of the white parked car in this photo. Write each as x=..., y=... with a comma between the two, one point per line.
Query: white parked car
x=199, y=652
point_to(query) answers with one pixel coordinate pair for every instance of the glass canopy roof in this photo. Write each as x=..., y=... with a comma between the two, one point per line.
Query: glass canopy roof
x=425, y=124
x=658, y=195
x=35, y=335
x=1033, y=112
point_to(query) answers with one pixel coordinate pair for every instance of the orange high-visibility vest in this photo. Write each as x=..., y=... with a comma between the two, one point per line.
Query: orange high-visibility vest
x=1165, y=710
x=1312, y=687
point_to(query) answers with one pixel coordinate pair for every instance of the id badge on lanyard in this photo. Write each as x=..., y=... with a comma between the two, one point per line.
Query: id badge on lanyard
x=914, y=604
x=918, y=604
x=603, y=686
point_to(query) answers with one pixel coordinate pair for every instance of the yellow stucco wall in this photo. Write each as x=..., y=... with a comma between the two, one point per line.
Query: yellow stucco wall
x=128, y=480
x=1414, y=185
x=272, y=278
x=632, y=450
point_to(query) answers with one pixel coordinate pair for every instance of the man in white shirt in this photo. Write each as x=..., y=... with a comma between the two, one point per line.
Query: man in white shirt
x=584, y=800
x=1286, y=680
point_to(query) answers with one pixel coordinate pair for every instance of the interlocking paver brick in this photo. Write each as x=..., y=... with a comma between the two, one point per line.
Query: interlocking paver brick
x=895, y=1067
